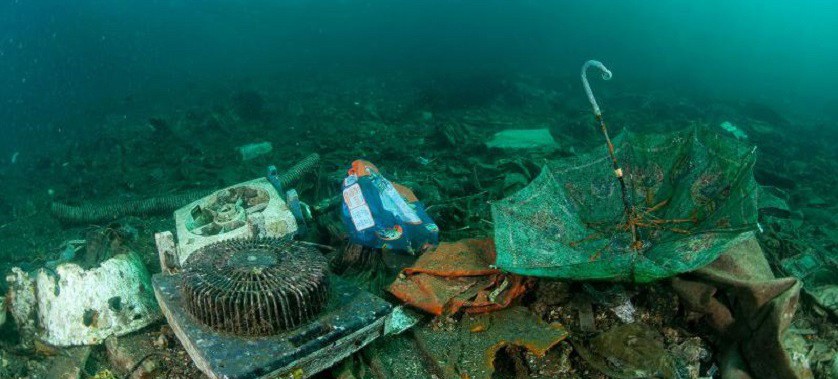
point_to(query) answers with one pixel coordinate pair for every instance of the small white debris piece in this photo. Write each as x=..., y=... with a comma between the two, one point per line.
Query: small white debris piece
x=83, y=307
x=624, y=311
x=167, y=251
x=253, y=150
x=14, y=157
x=400, y=320
x=732, y=129
x=522, y=139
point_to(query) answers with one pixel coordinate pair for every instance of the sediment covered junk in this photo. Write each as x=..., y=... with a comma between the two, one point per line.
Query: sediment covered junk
x=241, y=211
x=750, y=309
x=690, y=195
x=256, y=208
x=70, y=305
x=253, y=308
x=458, y=276
x=255, y=285
x=245, y=300
x=383, y=215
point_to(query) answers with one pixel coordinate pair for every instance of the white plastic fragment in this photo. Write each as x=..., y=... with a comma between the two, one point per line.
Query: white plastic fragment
x=624, y=311
x=732, y=129
x=83, y=307
x=254, y=150
x=400, y=320
x=167, y=251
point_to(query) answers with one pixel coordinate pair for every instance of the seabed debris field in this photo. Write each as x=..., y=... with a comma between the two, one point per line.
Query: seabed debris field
x=371, y=190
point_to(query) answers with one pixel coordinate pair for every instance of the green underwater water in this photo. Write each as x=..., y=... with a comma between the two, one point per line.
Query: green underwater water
x=110, y=104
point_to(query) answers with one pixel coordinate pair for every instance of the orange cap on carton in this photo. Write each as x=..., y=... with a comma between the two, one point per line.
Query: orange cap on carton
x=361, y=167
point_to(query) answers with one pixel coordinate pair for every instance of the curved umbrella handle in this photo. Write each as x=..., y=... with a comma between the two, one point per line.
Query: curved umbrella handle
x=606, y=75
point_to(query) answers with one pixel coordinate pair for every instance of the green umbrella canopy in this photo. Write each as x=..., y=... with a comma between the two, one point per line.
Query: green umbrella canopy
x=693, y=194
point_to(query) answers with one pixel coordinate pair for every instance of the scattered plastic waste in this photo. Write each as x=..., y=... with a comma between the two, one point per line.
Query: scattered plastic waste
x=680, y=206
x=253, y=150
x=384, y=215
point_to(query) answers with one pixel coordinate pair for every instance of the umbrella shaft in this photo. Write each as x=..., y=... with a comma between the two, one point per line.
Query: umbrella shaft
x=629, y=209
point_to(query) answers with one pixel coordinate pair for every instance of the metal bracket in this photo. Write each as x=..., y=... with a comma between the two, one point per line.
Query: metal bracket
x=273, y=177
x=292, y=199
x=167, y=252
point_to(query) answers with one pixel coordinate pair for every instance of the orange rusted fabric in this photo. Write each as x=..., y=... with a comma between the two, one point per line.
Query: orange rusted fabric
x=457, y=276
